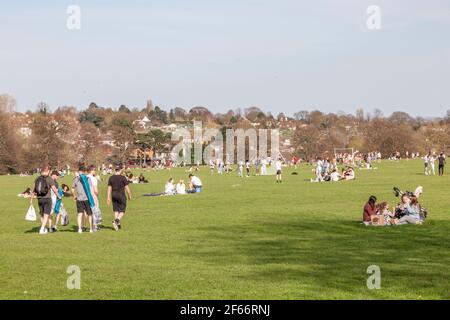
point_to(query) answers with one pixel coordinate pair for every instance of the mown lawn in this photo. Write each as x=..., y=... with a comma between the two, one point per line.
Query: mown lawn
x=244, y=238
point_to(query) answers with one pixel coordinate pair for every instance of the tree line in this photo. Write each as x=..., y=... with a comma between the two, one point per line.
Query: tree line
x=99, y=134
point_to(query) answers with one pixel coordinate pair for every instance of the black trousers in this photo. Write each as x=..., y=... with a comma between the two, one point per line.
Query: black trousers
x=441, y=169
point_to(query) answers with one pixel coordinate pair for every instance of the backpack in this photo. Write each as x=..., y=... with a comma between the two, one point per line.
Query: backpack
x=41, y=186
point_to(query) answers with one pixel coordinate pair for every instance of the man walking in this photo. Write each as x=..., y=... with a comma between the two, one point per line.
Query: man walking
x=82, y=192
x=442, y=162
x=43, y=187
x=118, y=190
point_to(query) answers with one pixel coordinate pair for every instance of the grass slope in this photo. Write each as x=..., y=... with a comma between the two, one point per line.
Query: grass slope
x=239, y=239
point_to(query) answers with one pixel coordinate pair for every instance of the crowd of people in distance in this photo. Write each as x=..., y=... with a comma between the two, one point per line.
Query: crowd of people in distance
x=408, y=211
x=326, y=170
x=247, y=168
x=365, y=161
x=344, y=158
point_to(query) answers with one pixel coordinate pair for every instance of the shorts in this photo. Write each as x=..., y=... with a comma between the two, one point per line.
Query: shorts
x=83, y=206
x=119, y=202
x=278, y=171
x=45, y=206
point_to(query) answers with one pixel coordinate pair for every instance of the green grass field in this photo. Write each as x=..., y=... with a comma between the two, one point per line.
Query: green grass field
x=240, y=238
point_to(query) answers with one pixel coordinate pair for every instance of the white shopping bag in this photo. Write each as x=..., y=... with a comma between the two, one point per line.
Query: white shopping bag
x=97, y=213
x=64, y=217
x=31, y=214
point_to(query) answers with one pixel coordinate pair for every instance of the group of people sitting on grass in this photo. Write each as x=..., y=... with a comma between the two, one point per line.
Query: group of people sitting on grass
x=195, y=186
x=408, y=211
x=326, y=170
x=170, y=189
x=131, y=178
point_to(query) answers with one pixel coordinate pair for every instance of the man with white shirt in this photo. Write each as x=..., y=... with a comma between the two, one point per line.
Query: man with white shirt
x=196, y=183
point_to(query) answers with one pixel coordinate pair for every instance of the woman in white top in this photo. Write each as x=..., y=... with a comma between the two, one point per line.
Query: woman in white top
x=425, y=162
x=431, y=161
x=169, y=188
x=181, y=187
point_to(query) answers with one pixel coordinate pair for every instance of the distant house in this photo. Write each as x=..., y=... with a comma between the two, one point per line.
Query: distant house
x=23, y=123
x=170, y=127
x=25, y=131
x=287, y=143
x=142, y=125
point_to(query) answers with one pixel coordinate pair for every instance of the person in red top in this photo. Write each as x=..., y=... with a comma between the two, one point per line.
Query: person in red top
x=369, y=209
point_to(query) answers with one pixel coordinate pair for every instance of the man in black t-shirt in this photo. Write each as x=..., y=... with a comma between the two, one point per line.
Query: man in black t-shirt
x=118, y=191
x=441, y=160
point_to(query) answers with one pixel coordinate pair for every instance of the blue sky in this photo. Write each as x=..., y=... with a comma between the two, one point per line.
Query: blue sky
x=282, y=56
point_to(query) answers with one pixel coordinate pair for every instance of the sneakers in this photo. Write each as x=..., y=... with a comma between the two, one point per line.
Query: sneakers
x=80, y=230
x=115, y=226
x=43, y=231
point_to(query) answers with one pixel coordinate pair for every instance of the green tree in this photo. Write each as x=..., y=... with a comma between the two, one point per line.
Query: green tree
x=155, y=139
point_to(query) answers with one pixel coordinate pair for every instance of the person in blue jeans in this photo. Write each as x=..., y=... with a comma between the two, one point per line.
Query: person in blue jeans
x=412, y=211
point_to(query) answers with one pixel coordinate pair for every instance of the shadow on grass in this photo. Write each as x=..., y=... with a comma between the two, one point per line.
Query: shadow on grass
x=73, y=228
x=334, y=255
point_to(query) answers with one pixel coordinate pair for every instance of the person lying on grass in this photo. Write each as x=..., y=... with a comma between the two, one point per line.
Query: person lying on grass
x=142, y=178
x=348, y=174
x=26, y=194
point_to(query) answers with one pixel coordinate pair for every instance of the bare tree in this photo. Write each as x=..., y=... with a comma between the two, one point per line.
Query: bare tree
x=10, y=147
